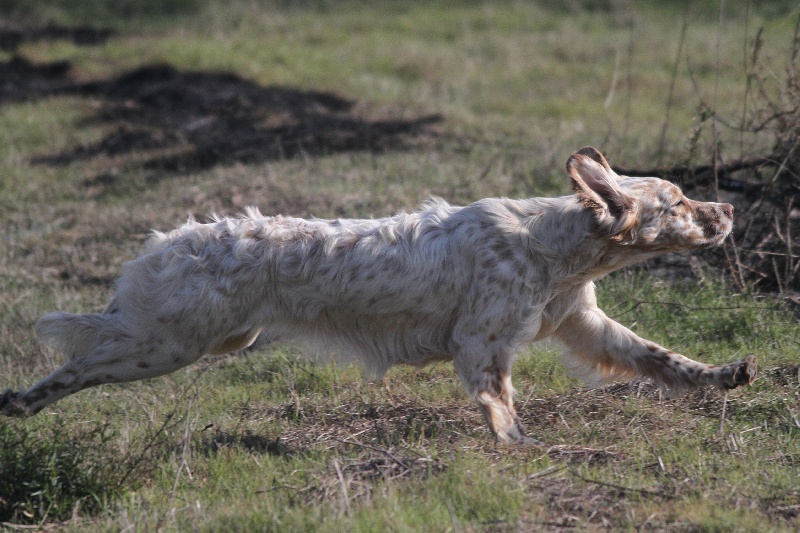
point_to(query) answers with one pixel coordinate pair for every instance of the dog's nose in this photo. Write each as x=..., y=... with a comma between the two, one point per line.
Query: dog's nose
x=727, y=209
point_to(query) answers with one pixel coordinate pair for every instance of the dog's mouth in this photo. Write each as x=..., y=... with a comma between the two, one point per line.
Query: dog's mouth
x=721, y=238
x=717, y=239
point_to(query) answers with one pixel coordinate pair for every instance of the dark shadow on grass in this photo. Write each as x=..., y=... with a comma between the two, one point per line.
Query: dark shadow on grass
x=21, y=80
x=173, y=122
x=248, y=441
x=185, y=121
x=12, y=38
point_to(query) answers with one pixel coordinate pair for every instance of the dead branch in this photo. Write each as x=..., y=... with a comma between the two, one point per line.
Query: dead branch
x=703, y=174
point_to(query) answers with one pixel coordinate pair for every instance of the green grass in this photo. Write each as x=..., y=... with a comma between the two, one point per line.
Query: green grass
x=272, y=441
x=54, y=469
x=252, y=441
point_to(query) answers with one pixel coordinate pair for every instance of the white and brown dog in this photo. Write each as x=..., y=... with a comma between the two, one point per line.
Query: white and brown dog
x=472, y=284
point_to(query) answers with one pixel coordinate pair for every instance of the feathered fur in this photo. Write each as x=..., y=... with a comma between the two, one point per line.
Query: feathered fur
x=471, y=284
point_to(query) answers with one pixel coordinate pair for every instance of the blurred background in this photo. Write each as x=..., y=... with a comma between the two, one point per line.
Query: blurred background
x=122, y=116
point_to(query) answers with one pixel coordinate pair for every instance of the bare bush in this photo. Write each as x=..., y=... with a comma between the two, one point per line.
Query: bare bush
x=763, y=252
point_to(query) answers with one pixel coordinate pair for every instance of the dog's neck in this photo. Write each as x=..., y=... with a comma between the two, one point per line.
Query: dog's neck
x=576, y=247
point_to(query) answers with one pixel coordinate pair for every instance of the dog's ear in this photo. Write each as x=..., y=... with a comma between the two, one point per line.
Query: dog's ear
x=595, y=155
x=596, y=187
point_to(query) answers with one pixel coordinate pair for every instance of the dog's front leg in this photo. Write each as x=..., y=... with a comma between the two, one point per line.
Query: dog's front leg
x=488, y=380
x=611, y=351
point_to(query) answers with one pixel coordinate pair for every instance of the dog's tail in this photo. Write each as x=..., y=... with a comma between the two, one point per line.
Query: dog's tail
x=74, y=335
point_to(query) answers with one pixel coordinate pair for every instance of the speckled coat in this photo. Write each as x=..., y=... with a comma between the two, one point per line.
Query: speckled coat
x=472, y=284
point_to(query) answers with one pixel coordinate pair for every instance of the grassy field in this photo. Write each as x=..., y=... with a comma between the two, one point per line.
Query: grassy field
x=339, y=109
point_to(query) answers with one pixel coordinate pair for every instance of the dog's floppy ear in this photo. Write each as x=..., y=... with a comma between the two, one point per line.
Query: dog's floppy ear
x=596, y=187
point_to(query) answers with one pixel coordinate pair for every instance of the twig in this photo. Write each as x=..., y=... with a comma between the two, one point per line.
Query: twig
x=678, y=304
x=343, y=485
x=714, y=132
x=389, y=454
x=701, y=171
x=785, y=160
x=795, y=42
x=453, y=518
x=791, y=413
x=135, y=463
x=489, y=166
x=546, y=472
x=645, y=492
x=629, y=84
x=37, y=527
x=724, y=408
x=788, y=266
x=653, y=450
x=566, y=449
x=183, y=463
x=614, y=78
x=670, y=92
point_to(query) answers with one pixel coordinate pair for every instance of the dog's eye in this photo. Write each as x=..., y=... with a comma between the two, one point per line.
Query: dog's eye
x=674, y=210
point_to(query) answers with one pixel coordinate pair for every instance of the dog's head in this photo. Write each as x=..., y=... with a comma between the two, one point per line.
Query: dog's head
x=645, y=212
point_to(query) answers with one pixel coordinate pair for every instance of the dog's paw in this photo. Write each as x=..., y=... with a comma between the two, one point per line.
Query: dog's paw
x=8, y=405
x=521, y=440
x=743, y=372
x=517, y=436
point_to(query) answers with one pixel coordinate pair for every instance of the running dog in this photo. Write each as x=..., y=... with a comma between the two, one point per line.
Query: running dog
x=469, y=284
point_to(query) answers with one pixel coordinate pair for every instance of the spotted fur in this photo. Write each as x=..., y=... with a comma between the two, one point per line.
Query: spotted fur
x=469, y=284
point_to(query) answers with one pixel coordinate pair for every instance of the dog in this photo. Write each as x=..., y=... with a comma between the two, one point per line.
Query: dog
x=469, y=284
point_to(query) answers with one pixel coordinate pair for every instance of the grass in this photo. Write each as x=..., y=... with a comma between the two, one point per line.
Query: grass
x=269, y=440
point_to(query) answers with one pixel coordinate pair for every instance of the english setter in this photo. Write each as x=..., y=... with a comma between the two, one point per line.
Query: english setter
x=469, y=284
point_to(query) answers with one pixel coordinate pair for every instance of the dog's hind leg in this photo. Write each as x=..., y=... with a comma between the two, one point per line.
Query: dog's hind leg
x=110, y=363
x=111, y=356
